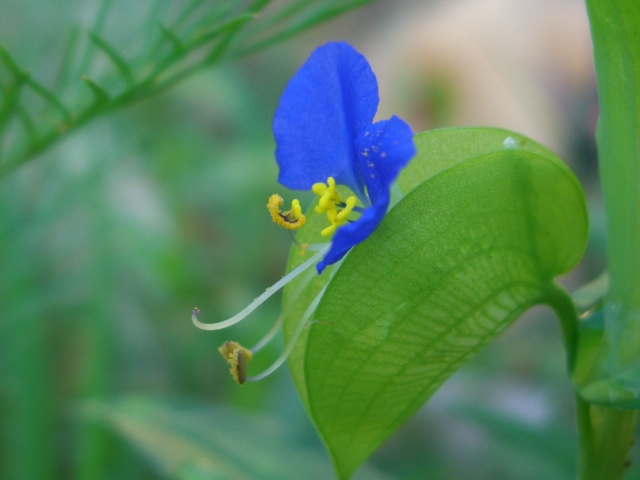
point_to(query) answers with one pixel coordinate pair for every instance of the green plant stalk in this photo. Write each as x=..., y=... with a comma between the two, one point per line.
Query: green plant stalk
x=34, y=412
x=615, y=29
x=31, y=443
x=559, y=300
x=606, y=433
x=606, y=436
x=94, y=440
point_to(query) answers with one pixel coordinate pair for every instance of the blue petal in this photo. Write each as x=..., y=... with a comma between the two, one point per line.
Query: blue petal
x=384, y=149
x=325, y=106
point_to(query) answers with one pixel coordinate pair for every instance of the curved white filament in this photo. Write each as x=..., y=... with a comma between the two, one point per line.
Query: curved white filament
x=256, y=303
x=292, y=341
x=268, y=336
x=309, y=275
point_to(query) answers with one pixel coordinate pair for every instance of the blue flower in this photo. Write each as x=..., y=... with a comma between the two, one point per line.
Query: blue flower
x=325, y=134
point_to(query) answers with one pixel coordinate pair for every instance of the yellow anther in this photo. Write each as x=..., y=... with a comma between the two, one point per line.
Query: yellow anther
x=344, y=213
x=319, y=188
x=329, y=202
x=328, y=195
x=237, y=357
x=296, y=210
x=291, y=220
x=329, y=230
x=338, y=217
x=332, y=215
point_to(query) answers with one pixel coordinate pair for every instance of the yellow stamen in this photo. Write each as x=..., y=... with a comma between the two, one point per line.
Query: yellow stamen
x=338, y=217
x=329, y=230
x=237, y=357
x=296, y=210
x=291, y=220
x=328, y=202
x=319, y=188
x=328, y=195
x=351, y=202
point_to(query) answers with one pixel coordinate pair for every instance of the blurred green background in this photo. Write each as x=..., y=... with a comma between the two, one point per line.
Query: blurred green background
x=111, y=236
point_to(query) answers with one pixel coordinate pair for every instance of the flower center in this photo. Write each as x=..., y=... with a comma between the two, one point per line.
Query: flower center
x=331, y=202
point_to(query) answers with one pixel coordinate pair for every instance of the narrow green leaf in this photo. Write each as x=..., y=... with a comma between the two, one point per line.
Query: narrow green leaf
x=65, y=68
x=49, y=97
x=258, y=5
x=281, y=15
x=172, y=37
x=28, y=124
x=100, y=93
x=11, y=96
x=23, y=77
x=451, y=266
x=186, y=13
x=89, y=49
x=218, y=24
x=13, y=67
x=114, y=56
x=325, y=13
x=227, y=26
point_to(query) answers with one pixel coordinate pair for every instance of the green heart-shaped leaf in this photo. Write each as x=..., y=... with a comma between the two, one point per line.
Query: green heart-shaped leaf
x=477, y=241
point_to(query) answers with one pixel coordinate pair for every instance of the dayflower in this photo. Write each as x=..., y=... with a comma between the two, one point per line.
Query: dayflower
x=326, y=138
x=325, y=135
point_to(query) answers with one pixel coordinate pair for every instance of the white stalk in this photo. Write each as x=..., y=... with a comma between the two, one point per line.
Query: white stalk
x=262, y=298
x=292, y=341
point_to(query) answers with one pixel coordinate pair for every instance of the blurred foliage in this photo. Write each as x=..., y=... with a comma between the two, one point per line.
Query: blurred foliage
x=121, y=63
x=190, y=441
x=113, y=235
x=112, y=238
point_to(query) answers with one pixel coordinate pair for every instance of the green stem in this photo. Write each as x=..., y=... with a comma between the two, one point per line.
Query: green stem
x=606, y=437
x=95, y=443
x=562, y=304
x=605, y=434
x=615, y=30
x=34, y=447
x=31, y=424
